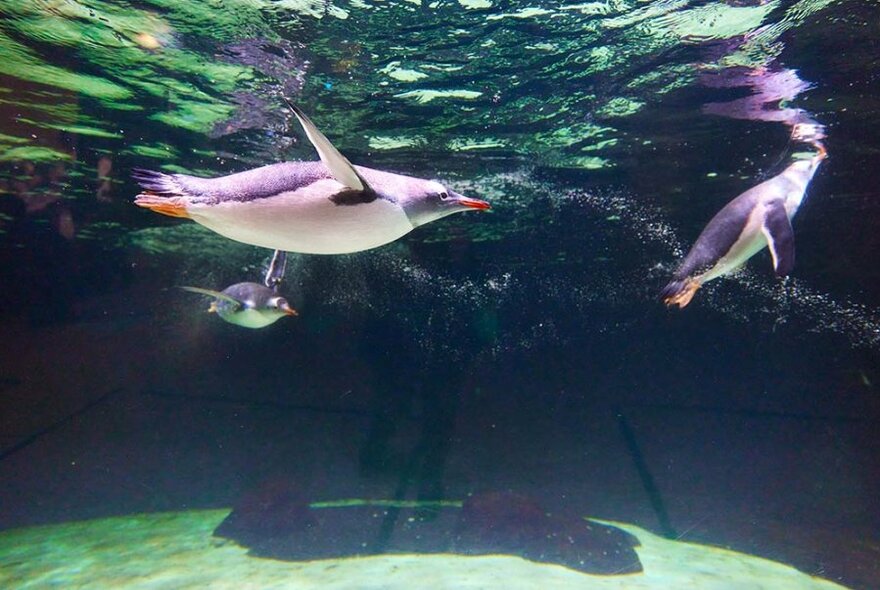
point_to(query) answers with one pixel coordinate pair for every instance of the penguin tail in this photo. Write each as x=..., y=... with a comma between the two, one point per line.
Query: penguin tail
x=157, y=183
x=679, y=292
x=161, y=193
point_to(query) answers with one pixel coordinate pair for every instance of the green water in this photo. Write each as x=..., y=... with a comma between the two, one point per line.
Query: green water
x=522, y=349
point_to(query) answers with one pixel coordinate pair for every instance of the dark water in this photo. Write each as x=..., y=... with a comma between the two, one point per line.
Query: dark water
x=519, y=350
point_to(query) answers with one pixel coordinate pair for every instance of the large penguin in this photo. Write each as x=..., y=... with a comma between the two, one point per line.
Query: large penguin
x=326, y=207
x=759, y=217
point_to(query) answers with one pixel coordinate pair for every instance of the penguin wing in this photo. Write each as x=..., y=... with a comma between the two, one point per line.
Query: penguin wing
x=339, y=166
x=216, y=294
x=780, y=237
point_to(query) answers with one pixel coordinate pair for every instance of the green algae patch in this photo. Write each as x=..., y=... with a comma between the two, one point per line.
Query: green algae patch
x=393, y=70
x=572, y=134
x=530, y=12
x=185, y=237
x=11, y=139
x=466, y=145
x=620, y=107
x=105, y=232
x=394, y=142
x=475, y=4
x=717, y=21
x=135, y=50
x=75, y=129
x=195, y=116
x=590, y=8
x=221, y=21
x=313, y=8
x=191, y=246
x=426, y=96
x=589, y=162
x=21, y=62
x=664, y=80
x=33, y=153
x=159, y=151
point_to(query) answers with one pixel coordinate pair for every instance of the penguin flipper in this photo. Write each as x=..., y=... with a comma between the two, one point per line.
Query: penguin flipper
x=780, y=238
x=339, y=166
x=215, y=294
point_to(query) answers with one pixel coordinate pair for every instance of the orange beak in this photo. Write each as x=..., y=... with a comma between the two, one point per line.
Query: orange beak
x=474, y=203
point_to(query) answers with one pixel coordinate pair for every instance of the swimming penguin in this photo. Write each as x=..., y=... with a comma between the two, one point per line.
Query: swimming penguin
x=759, y=217
x=249, y=305
x=326, y=207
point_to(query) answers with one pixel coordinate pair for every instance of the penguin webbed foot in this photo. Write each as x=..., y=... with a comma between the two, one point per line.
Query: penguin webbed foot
x=170, y=206
x=679, y=292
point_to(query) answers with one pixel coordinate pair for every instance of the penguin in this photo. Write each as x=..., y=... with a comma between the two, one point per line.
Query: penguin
x=252, y=305
x=757, y=218
x=326, y=207
x=249, y=305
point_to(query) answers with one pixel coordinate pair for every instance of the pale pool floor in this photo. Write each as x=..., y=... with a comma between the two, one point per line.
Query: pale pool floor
x=177, y=550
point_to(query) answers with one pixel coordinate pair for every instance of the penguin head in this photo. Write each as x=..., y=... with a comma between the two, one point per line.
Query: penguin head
x=278, y=306
x=801, y=171
x=429, y=200
x=258, y=305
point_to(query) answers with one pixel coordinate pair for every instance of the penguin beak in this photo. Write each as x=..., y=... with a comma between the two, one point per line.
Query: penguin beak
x=471, y=203
x=288, y=310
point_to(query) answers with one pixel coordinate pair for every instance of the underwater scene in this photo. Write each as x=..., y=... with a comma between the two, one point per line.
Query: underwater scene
x=394, y=294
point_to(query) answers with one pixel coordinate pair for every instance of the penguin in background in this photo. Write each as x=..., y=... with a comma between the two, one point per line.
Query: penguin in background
x=758, y=218
x=252, y=305
x=326, y=207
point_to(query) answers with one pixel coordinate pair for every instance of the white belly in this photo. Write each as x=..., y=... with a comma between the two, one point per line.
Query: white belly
x=251, y=318
x=306, y=221
x=750, y=241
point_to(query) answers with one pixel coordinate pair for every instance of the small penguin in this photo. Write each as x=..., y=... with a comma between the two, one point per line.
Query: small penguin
x=249, y=305
x=326, y=207
x=759, y=217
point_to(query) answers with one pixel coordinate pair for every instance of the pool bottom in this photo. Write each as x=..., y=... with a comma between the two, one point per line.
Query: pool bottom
x=177, y=550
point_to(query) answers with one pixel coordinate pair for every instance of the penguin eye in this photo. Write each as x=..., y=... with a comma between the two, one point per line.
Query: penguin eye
x=444, y=195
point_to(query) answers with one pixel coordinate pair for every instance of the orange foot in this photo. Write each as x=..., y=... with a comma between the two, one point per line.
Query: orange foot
x=171, y=206
x=683, y=297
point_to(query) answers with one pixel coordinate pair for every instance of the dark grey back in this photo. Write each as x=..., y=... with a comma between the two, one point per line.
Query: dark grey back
x=259, y=183
x=719, y=235
x=255, y=292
